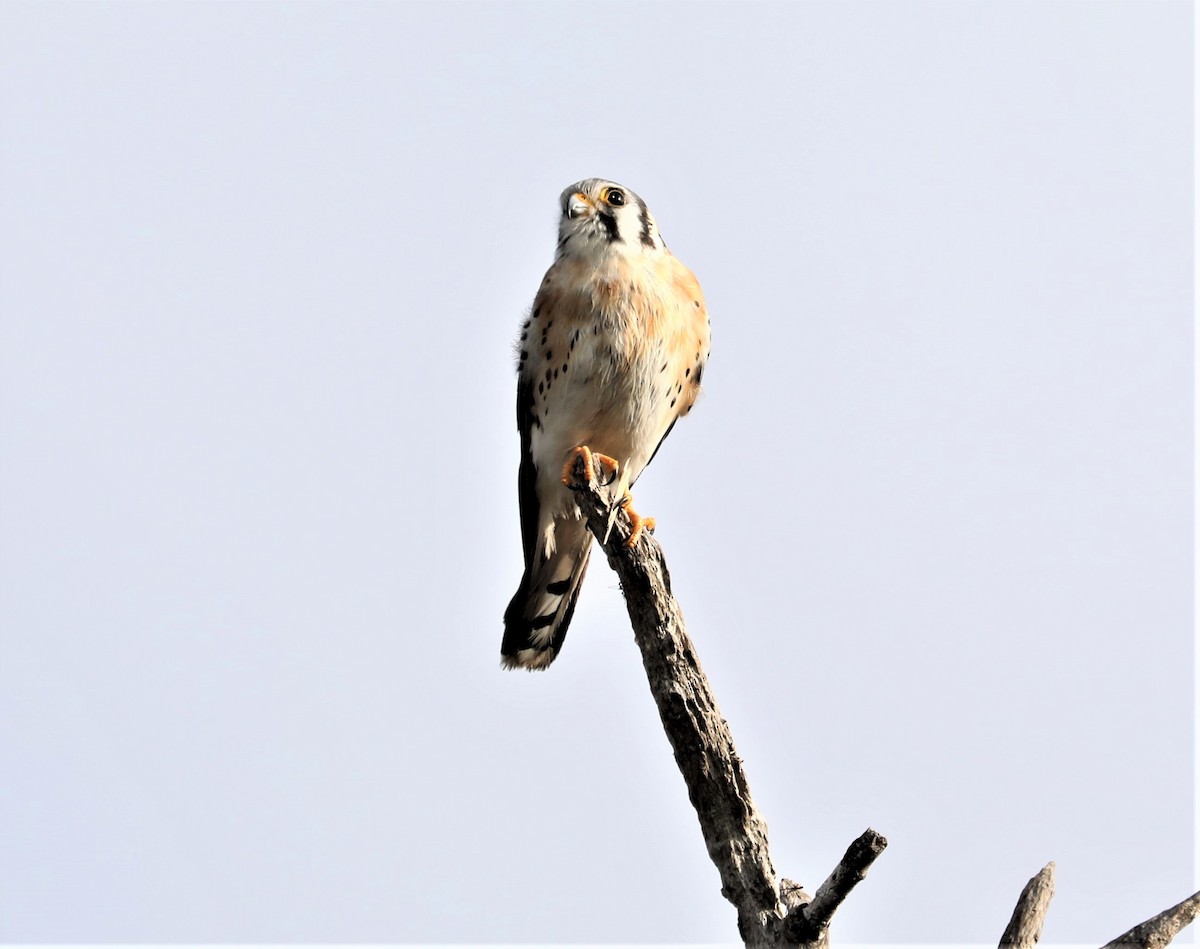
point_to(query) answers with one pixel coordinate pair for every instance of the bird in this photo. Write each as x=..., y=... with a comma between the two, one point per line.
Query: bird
x=609, y=357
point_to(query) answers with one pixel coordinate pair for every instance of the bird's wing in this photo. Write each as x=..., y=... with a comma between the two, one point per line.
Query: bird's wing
x=688, y=323
x=527, y=495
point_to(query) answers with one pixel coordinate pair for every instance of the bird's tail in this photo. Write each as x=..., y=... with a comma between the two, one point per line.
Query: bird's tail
x=536, y=620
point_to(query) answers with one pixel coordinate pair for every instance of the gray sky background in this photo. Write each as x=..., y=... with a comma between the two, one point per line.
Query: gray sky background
x=261, y=268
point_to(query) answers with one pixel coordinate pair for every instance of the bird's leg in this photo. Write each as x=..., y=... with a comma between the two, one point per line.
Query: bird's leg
x=606, y=469
x=578, y=469
x=584, y=465
x=624, y=503
x=636, y=520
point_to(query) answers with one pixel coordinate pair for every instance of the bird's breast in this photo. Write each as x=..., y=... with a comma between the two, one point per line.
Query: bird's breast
x=611, y=350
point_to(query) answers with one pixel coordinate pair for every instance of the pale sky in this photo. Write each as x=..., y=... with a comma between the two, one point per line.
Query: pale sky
x=261, y=268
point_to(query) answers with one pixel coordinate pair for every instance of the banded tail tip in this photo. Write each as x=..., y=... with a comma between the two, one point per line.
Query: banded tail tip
x=529, y=659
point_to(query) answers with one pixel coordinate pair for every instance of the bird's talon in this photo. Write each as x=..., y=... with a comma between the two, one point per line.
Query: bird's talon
x=607, y=467
x=578, y=468
x=584, y=465
x=638, y=523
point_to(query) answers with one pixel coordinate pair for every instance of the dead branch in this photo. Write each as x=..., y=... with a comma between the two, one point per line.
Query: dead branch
x=1025, y=927
x=734, y=832
x=770, y=913
x=1158, y=931
x=812, y=925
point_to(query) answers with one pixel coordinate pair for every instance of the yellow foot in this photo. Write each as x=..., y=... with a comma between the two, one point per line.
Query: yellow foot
x=584, y=464
x=638, y=522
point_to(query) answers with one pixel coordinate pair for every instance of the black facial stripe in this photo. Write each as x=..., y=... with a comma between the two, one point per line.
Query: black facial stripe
x=610, y=225
x=644, y=217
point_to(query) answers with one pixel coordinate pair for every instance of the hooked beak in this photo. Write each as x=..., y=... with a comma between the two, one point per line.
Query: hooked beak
x=579, y=205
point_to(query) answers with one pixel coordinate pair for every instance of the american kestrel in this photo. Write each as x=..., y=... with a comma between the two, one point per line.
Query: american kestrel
x=609, y=358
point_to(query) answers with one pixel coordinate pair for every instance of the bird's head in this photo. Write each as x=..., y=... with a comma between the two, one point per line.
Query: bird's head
x=602, y=215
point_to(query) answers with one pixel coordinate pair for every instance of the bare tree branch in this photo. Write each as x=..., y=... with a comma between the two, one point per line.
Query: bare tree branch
x=811, y=924
x=770, y=912
x=734, y=832
x=1025, y=927
x=846, y=875
x=1160, y=930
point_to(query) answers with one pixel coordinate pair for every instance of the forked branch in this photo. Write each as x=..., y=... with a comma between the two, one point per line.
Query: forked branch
x=770, y=912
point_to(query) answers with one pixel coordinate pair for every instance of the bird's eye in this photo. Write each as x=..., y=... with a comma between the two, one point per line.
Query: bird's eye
x=615, y=197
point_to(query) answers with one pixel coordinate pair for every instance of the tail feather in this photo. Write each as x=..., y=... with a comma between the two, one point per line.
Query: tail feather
x=537, y=618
